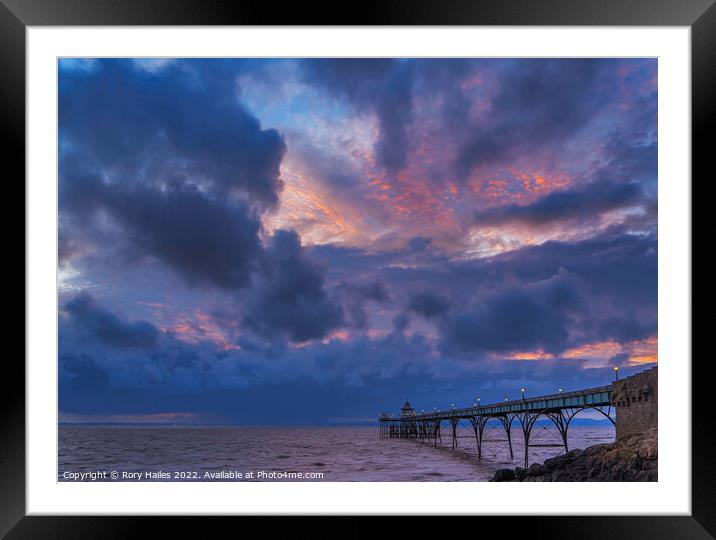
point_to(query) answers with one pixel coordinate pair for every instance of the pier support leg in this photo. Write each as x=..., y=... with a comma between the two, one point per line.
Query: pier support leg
x=507, y=424
x=478, y=425
x=527, y=421
x=563, y=430
x=478, y=436
x=561, y=420
x=454, y=423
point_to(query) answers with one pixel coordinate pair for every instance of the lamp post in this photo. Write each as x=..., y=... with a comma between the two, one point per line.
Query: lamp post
x=616, y=373
x=523, y=393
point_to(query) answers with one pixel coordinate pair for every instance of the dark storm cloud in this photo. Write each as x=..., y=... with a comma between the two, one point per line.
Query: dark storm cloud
x=400, y=323
x=96, y=322
x=623, y=328
x=205, y=240
x=601, y=288
x=372, y=291
x=380, y=86
x=613, y=275
x=419, y=243
x=618, y=266
x=614, y=264
x=621, y=359
x=181, y=121
x=289, y=297
x=82, y=371
x=540, y=102
x=395, y=113
x=161, y=154
x=582, y=203
x=354, y=296
x=428, y=304
x=631, y=162
x=518, y=318
x=632, y=149
x=82, y=385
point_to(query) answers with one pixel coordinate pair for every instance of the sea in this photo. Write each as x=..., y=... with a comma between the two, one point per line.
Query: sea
x=315, y=454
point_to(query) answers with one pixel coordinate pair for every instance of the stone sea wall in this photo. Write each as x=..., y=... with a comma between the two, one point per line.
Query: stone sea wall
x=636, y=399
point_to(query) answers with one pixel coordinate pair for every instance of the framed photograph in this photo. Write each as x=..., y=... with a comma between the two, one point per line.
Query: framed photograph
x=426, y=260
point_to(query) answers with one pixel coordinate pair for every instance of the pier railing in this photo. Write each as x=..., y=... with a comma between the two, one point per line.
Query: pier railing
x=590, y=397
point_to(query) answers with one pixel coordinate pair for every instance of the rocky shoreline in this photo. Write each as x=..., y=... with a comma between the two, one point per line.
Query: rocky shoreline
x=632, y=460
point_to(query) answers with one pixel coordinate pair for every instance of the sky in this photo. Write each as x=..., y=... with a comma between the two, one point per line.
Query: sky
x=314, y=241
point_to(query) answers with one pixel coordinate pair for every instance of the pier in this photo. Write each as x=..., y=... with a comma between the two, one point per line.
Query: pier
x=629, y=404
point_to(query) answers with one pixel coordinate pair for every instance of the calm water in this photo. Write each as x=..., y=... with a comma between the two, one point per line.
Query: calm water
x=340, y=454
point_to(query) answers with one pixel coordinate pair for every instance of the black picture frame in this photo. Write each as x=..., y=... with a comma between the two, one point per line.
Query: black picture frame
x=17, y=15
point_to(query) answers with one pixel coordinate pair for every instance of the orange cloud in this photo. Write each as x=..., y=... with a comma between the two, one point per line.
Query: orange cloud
x=645, y=351
x=639, y=352
x=533, y=355
x=603, y=349
x=317, y=217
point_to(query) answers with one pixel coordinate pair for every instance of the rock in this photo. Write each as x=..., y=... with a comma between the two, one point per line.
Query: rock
x=645, y=476
x=597, y=449
x=550, y=463
x=632, y=441
x=633, y=460
x=536, y=470
x=503, y=475
x=647, y=450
